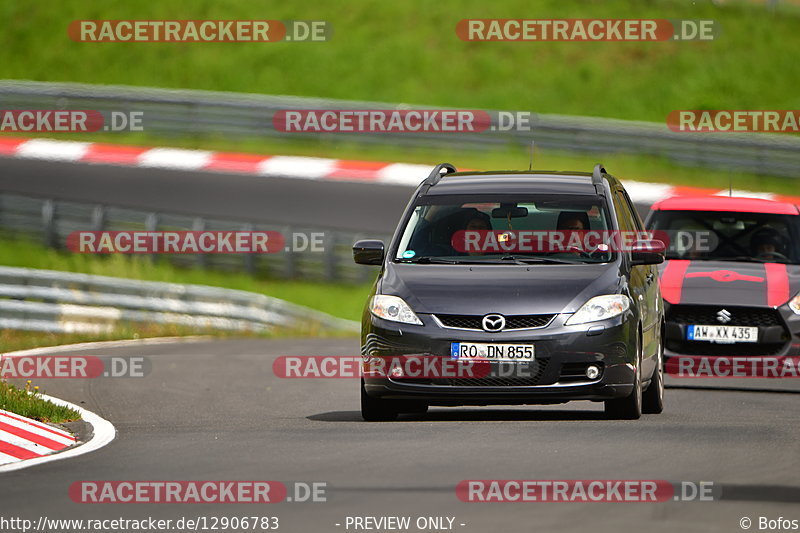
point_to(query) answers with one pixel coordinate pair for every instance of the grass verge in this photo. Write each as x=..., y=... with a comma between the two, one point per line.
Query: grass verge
x=409, y=52
x=27, y=401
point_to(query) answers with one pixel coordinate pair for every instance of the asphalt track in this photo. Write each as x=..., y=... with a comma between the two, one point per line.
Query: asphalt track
x=214, y=410
x=257, y=199
x=342, y=205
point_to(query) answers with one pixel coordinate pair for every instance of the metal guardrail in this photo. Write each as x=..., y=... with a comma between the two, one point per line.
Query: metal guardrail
x=51, y=221
x=198, y=113
x=47, y=300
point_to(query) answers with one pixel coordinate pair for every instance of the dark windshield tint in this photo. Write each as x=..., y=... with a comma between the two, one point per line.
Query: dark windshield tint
x=731, y=236
x=436, y=221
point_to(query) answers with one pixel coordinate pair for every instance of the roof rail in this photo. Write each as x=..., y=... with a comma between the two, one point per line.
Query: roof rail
x=436, y=174
x=597, y=174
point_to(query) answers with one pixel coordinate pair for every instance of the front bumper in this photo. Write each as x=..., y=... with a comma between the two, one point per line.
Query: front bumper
x=561, y=354
x=778, y=332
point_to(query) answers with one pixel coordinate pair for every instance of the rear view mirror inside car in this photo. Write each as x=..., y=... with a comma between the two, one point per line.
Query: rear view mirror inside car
x=509, y=211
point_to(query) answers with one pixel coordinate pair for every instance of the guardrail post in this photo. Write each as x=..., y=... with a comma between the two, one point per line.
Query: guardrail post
x=330, y=256
x=199, y=224
x=249, y=259
x=151, y=225
x=289, y=265
x=98, y=218
x=48, y=223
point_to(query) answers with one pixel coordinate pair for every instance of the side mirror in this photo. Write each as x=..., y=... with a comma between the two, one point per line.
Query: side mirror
x=648, y=252
x=368, y=252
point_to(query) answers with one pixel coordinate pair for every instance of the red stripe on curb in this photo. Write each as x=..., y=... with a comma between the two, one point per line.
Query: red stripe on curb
x=356, y=170
x=341, y=170
x=790, y=199
x=39, y=425
x=232, y=162
x=777, y=284
x=112, y=153
x=16, y=451
x=32, y=437
x=10, y=145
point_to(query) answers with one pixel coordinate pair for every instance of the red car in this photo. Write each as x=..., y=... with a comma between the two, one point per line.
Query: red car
x=731, y=282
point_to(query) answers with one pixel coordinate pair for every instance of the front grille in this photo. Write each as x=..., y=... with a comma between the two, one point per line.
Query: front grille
x=532, y=375
x=707, y=314
x=741, y=349
x=512, y=322
x=686, y=315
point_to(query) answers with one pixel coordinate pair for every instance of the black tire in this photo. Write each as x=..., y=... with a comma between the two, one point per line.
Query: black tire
x=653, y=397
x=375, y=409
x=630, y=407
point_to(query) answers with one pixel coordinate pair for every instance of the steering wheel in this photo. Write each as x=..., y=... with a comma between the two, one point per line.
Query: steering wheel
x=771, y=255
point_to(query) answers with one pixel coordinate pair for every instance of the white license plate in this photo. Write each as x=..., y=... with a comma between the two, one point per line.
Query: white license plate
x=475, y=351
x=722, y=334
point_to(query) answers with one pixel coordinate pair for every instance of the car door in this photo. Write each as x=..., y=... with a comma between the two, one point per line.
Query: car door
x=639, y=281
x=652, y=294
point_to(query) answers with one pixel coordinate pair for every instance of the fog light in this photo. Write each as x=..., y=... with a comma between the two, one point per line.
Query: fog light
x=592, y=372
x=397, y=372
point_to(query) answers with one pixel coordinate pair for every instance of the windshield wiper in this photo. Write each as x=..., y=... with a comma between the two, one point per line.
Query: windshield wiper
x=427, y=260
x=528, y=260
x=747, y=258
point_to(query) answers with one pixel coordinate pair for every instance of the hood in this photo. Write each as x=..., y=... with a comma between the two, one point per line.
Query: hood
x=504, y=289
x=729, y=282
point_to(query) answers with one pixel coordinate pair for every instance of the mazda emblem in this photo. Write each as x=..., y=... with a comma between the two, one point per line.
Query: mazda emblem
x=493, y=323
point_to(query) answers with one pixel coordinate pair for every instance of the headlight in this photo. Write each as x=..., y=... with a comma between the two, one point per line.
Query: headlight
x=794, y=304
x=393, y=308
x=600, y=308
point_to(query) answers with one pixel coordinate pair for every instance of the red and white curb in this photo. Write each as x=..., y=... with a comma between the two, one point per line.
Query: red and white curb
x=313, y=168
x=103, y=432
x=22, y=438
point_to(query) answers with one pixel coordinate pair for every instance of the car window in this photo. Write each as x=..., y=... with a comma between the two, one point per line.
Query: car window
x=635, y=218
x=727, y=235
x=437, y=222
x=624, y=216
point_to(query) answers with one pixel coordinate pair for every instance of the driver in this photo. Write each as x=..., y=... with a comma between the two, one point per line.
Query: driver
x=570, y=221
x=767, y=243
x=477, y=221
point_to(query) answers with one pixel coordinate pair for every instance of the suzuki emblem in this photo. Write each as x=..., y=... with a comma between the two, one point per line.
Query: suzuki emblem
x=724, y=316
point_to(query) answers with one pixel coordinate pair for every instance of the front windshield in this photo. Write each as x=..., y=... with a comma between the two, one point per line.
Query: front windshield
x=729, y=236
x=442, y=229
